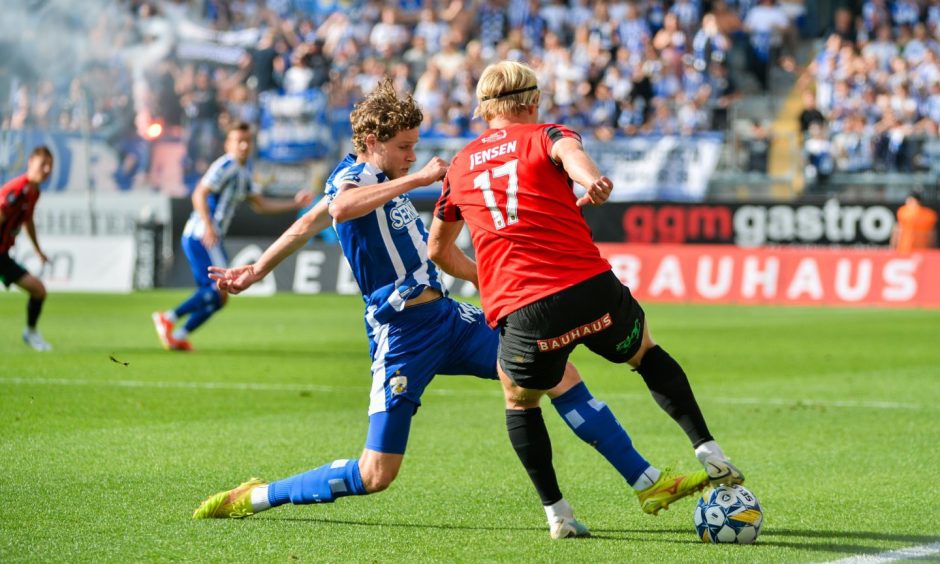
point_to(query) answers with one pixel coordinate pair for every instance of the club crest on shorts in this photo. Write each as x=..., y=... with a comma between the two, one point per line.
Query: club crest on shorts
x=398, y=384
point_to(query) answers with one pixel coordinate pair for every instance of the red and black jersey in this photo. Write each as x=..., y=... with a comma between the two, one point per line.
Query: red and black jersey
x=18, y=199
x=530, y=238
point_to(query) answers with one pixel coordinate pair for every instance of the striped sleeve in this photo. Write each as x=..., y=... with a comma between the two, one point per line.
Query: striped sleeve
x=215, y=177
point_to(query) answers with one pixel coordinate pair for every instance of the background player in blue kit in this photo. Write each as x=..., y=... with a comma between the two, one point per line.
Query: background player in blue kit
x=225, y=185
x=415, y=331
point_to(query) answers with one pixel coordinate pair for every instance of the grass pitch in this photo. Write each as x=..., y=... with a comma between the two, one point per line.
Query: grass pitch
x=833, y=414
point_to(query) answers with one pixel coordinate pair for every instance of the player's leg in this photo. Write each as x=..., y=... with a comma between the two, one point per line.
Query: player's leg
x=394, y=400
x=594, y=422
x=37, y=297
x=525, y=377
x=628, y=340
x=671, y=389
x=532, y=444
x=201, y=305
x=373, y=472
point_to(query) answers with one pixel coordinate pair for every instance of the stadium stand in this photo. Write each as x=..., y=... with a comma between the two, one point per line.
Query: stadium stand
x=148, y=69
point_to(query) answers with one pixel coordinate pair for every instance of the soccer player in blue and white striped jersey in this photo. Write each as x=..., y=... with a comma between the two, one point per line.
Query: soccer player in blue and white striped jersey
x=225, y=185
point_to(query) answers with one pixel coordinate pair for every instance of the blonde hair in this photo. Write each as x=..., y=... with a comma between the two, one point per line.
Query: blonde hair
x=506, y=88
x=383, y=113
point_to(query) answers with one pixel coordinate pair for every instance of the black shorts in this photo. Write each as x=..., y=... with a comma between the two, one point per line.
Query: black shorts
x=10, y=271
x=535, y=340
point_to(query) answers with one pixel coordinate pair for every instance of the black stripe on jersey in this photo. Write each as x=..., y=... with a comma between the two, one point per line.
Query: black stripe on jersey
x=555, y=134
x=442, y=205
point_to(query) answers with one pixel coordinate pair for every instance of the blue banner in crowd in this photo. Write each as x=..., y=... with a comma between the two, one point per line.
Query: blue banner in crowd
x=294, y=127
x=17, y=144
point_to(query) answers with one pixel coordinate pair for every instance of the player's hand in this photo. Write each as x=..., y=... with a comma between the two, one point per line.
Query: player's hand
x=42, y=257
x=303, y=198
x=597, y=193
x=433, y=171
x=234, y=280
x=211, y=238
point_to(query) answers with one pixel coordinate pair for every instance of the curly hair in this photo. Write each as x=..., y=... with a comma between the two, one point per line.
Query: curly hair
x=384, y=114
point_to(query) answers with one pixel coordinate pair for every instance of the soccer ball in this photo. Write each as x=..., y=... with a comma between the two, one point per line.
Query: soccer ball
x=728, y=514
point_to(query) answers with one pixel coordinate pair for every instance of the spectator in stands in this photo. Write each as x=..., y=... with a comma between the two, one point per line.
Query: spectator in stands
x=766, y=24
x=671, y=36
x=916, y=226
x=262, y=63
x=299, y=77
x=388, y=33
x=817, y=150
x=852, y=148
x=843, y=24
x=723, y=92
x=757, y=147
x=883, y=48
x=202, y=111
x=810, y=113
x=709, y=44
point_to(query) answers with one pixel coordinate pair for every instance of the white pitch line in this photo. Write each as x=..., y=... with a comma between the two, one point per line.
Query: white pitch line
x=256, y=386
x=922, y=551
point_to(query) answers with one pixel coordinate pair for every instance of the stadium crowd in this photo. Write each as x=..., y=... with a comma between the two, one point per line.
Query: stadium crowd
x=875, y=101
x=606, y=68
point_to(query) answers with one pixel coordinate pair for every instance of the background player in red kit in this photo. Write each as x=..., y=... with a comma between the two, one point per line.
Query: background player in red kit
x=18, y=199
x=542, y=280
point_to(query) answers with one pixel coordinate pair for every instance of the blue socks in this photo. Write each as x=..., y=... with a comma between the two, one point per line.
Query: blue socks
x=321, y=485
x=594, y=423
x=204, y=302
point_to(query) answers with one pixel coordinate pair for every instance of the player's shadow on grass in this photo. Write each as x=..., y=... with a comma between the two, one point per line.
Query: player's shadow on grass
x=312, y=354
x=861, y=535
x=439, y=526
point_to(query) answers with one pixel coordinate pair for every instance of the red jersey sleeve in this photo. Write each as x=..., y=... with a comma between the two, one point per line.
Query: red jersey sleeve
x=11, y=195
x=445, y=210
x=554, y=133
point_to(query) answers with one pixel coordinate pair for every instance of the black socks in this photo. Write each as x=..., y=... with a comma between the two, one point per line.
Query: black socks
x=671, y=390
x=530, y=439
x=33, y=308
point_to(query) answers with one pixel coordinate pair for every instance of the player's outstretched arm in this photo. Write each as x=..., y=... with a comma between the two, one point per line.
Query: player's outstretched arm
x=582, y=169
x=260, y=204
x=352, y=204
x=240, y=278
x=443, y=250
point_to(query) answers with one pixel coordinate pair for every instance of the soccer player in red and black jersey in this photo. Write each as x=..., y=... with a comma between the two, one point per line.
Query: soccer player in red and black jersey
x=18, y=199
x=545, y=286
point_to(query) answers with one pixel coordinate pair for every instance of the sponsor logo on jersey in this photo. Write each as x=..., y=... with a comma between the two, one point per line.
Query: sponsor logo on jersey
x=591, y=328
x=481, y=157
x=403, y=214
x=498, y=136
x=398, y=384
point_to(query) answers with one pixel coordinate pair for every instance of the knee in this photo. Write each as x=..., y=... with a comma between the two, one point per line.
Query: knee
x=375, y=480
x=38, y=292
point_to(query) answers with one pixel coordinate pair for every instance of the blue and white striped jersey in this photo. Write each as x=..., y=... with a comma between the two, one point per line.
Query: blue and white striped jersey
x=387, y=249
x=229, y=184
